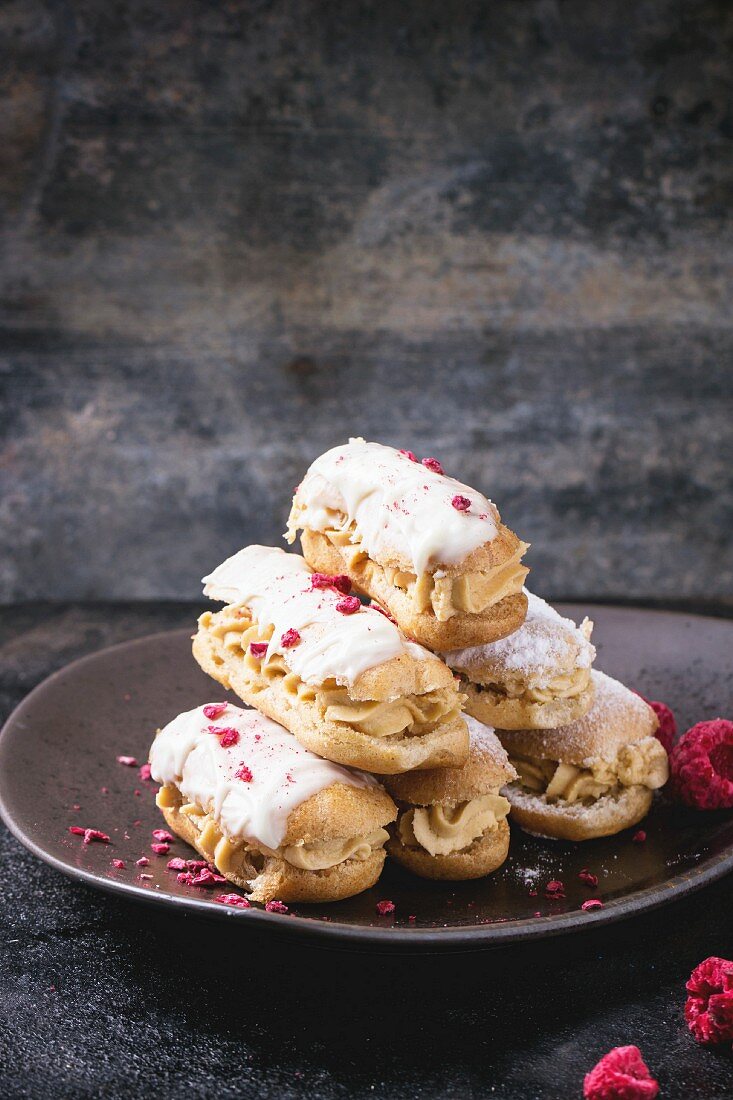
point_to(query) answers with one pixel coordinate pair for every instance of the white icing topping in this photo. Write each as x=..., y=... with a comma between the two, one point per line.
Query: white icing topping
x=395, y=505
x=276, y=587
x=543, y=644
x=284, y=774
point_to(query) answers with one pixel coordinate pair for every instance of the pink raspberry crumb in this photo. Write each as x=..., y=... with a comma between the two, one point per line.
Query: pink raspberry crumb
x=214, y=710
x=591, y=904
x=227, y=735
x=258, y=649
x=142, y=862
x=348, y=605
x=95, y=834
x=407, y=454
x=555, y=889
x=461, y=504
x=128, y=761
x=244, y=774
x=339, y=581
x=176, y=864
x=621, y=1074
x=639, y=837
x=164, y=835
x=709, y=1007
x=160, y=849
x=77, y=830
x=588, y=877
x=290, y=638
x=276, y=907
x=235, y=900
x=144, y=772
x=145, y=876
x=384, y=908
x=434, y=465
x=119, y=864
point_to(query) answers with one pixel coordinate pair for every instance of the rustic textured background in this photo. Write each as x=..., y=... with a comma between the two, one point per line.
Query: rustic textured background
x=237, y=232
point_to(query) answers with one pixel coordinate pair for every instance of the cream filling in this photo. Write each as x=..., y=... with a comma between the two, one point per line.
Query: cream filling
x=641, y=763
x=410, y=716
x=446, y=596
x=568, y=685
x=226, y=853
x=443, y=828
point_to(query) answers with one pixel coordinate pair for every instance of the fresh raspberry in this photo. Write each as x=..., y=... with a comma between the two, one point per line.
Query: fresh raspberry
x=591, y=904
x=235, y=900
x=258, y=649
x=620, y=1075
x=701, y=764
x=709, y=1008
x=348, y=605
x=144, y=772
x=433, y=464
x=384, y=908
x=667, y=730
x=290, y=638
x=214, y=710
x=339, y=581
x=128, y=761
x=163, y=835
x=461, y=504
x=276, y=907
x=244, y=774
x=588, y=877
x=408, y=454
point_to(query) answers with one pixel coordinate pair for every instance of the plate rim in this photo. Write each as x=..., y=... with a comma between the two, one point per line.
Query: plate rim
x=333, y=933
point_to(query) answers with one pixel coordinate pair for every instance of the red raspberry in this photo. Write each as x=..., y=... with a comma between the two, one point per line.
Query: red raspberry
x=434, y=465
x=701, y=764
x=667, y=730
x=620, y=1075
x=461, y=504
x=349, y=605
x=709, y=1008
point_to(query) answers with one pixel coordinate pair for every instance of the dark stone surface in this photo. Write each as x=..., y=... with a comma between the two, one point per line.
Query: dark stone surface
x=238, y=232
x=103, y=998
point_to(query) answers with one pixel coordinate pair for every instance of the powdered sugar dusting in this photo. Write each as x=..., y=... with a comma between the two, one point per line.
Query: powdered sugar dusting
x=484, y=740
x=545, y=645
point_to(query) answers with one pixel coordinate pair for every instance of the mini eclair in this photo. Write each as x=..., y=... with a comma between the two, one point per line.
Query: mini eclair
x=340, y=676
x=592, y=777
x=537, y=678
x=274, y=818
x=452, y=822
x=429, y=549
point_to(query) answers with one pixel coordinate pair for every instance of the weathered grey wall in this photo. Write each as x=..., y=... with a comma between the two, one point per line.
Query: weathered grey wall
x=238, y=232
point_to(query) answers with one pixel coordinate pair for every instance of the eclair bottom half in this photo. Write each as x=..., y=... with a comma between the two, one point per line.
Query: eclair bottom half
x=267, y=875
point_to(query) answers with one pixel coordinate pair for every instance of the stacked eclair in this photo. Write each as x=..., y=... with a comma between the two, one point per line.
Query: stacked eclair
x=411, y=727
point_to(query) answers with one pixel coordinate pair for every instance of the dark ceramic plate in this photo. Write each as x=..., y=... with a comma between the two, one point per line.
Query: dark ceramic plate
x=58, y=767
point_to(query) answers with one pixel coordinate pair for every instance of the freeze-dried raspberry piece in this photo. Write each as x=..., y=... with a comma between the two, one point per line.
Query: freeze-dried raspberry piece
x=408, y=454
x=164, y=835
x=339, y=581
x=384, y=908
x=276, y=907
x=119, y=864
x=176, y=864
x=235, y=900
x=160, y=849
x=290, y=638
x=207, y=877
x=90, y=834
x=555, y=889
x=591, y=904
x=244, y=774
x=667, y=730
x=227, y=735
x=77, y=830
x=588, y=877
x=434, y=465
x=701, y=764
x=639, y=836
x=349, y=605
x=709, y=1007
x=460, y=503
x=620, y=1075
x=258, y=649
x=144, y=772
x=128, y=761
x=215, y=710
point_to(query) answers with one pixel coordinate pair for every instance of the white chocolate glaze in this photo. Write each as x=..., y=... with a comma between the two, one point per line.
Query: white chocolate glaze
x=544, y=644
x=284, y=774
x=276, y=587
x=395, y=505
